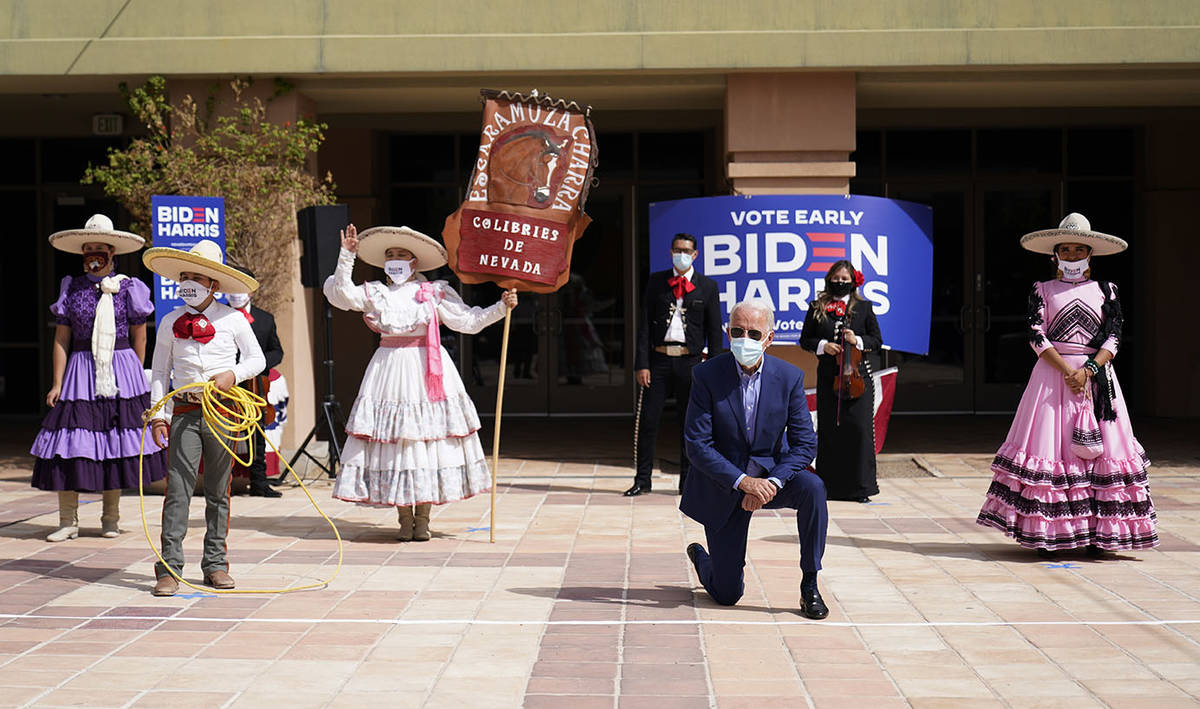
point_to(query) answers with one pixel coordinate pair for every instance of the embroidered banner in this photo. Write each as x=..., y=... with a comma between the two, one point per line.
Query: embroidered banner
x=524, y=206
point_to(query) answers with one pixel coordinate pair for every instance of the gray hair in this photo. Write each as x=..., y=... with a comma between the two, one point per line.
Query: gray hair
x=760, y=305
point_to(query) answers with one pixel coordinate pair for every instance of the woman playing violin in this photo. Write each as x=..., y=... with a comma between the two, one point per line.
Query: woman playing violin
x=839, y=328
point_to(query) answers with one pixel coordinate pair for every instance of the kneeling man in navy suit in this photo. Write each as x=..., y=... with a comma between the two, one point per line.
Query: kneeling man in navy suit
x=750, y=439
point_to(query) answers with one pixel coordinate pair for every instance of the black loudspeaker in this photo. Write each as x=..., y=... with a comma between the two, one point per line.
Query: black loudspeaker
x=319, y=227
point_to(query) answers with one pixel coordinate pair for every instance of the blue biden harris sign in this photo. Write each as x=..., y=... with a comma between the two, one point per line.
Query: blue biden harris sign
x=178, y=222
x=779, y=248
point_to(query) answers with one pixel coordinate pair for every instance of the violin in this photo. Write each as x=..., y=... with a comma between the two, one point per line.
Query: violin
x=848, y=383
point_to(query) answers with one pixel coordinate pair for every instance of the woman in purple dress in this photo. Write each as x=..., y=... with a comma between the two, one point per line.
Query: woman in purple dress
x=91, y=437
x=1062, y=479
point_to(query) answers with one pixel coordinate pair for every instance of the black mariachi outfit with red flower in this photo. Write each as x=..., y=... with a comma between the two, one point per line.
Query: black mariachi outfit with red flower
x=845, y=441
x=701, y=316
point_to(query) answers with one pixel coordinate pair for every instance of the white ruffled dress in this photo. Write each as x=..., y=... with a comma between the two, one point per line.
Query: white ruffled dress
x=402, y=447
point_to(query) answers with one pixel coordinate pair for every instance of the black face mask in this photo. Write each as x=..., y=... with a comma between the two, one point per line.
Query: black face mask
x=839, y=289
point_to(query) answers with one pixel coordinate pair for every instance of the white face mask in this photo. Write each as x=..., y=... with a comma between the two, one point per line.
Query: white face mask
x=746, y=351
x=192, y=293
x=1073, y=270
x=397, y=270
x=682, y=262
x=238, y=300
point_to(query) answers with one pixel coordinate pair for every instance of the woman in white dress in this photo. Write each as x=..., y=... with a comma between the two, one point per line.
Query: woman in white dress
x=412, y=437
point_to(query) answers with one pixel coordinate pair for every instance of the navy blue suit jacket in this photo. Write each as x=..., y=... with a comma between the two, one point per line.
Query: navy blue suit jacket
x=783, y=442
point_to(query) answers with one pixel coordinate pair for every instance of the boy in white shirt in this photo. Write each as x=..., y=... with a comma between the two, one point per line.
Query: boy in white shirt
x=198, y=342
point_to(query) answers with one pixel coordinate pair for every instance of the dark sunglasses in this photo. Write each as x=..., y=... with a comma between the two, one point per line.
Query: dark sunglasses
x=737, y=332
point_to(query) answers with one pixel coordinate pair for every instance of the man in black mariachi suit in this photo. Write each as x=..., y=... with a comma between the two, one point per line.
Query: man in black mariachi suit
x=680, y=316
x=263, y=325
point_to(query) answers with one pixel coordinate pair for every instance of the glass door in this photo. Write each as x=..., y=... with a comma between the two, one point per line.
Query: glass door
x=943, y=380
x=1003, y=275
x=590, y=325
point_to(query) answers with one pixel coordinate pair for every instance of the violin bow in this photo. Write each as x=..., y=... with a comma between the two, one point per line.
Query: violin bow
x=841, y=370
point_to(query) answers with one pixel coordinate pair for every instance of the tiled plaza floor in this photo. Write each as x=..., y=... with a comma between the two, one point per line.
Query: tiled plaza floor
x=587, y=600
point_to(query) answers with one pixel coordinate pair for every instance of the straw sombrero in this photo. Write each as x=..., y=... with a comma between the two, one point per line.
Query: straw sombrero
x=99, y=229
x=204, y=258
x=427, y=253
x=1074, y=229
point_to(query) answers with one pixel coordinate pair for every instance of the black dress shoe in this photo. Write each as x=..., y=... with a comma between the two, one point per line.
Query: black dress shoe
x=693, y=552
x=264, y=492
x=864, y=500
x=812, y=605
x=637, y=490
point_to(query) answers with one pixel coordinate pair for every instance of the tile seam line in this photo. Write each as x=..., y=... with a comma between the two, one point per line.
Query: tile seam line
x=699, y=622
x=609, y=34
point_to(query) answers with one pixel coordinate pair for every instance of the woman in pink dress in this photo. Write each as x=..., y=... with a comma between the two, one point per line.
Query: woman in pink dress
x=1043, y=493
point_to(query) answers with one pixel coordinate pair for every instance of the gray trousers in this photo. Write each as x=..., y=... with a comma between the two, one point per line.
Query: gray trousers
x=190, y=441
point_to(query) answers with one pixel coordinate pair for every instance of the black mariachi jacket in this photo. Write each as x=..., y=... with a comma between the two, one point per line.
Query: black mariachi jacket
x=702, y=316
x=268, y=339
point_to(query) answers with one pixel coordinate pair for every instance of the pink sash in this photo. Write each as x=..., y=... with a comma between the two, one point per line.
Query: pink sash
x=433, y=344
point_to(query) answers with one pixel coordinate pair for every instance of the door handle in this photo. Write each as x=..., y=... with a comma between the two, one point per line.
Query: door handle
x=962, y=319
x=987, y=318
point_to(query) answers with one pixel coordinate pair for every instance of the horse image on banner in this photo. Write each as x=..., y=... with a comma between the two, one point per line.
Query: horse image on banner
x=524, y=206
x=524, y=169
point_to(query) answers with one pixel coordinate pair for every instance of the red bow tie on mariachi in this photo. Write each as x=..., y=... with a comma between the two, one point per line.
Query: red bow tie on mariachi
x=524, y=207
x=194, y=326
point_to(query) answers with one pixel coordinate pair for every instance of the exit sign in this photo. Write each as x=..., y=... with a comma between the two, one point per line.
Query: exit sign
x=108, y=124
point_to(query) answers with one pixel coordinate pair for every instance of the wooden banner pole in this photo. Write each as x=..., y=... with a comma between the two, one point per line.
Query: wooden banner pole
x=499, y=411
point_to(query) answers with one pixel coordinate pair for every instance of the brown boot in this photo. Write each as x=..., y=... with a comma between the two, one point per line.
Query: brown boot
x=421, y=523
x=405, y=515
x=166, y=586
x=218, y=579
x=68, y=517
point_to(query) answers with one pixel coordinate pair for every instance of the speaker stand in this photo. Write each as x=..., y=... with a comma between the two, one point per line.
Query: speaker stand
x=331, y=420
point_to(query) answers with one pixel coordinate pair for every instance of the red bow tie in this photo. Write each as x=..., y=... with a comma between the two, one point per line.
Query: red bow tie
x=246, y=312
x=680, y=286
x=836, y=308
x=194, y=326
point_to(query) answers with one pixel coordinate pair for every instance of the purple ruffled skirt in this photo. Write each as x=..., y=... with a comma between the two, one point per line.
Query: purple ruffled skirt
x=91, y=444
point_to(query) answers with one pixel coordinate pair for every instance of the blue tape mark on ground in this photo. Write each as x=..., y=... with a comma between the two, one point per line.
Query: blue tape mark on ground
x=1064, y=565
x=478, y=529
x=195, y=594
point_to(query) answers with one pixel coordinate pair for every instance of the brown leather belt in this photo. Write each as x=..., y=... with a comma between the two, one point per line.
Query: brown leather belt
x=184, y=408
x=673, y=350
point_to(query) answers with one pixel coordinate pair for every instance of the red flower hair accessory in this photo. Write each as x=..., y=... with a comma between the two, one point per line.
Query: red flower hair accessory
x=858, y=278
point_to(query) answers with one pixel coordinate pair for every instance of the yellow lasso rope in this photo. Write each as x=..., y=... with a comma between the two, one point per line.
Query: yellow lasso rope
x=231, y=416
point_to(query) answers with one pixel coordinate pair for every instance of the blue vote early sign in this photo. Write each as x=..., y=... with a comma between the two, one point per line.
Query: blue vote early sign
x=179, y=222
x=779, y=248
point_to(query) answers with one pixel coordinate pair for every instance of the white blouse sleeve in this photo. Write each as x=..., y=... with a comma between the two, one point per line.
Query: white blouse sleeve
x=340, y=290
x=457, y=315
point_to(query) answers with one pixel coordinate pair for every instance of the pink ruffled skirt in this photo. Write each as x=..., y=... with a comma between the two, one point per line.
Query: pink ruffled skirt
x=1044, y=496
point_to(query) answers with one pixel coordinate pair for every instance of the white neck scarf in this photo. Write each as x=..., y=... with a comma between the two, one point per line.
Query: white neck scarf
x=104, y=336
